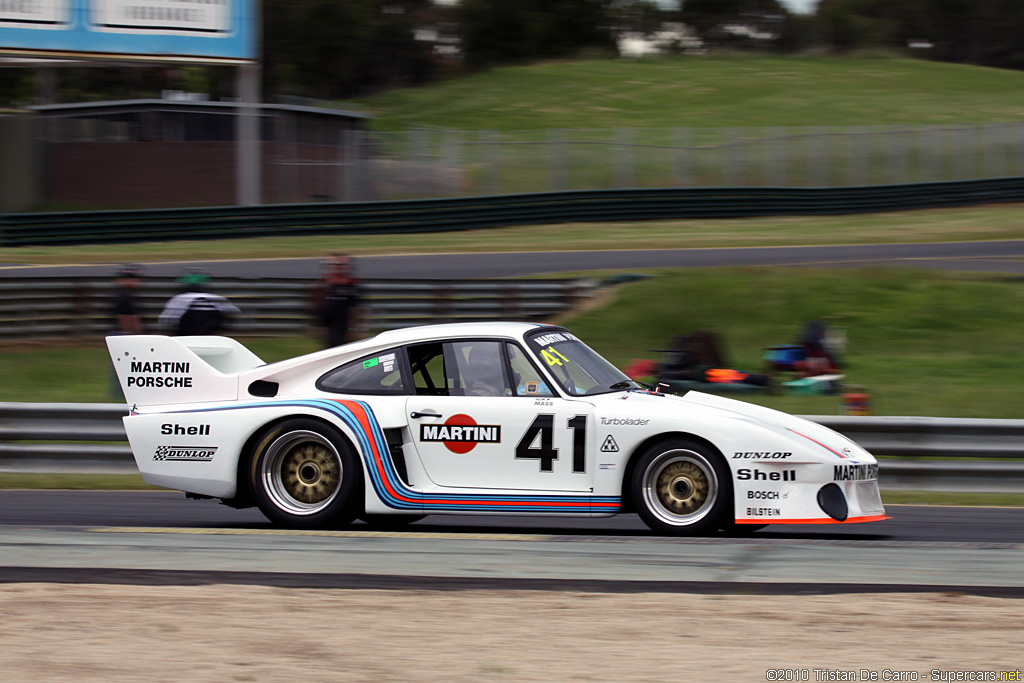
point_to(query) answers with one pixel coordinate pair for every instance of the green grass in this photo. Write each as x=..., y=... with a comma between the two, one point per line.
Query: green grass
x=706, y=91
x=704, y=122
x=80, y=372
x=921, y=342
x=936, y=225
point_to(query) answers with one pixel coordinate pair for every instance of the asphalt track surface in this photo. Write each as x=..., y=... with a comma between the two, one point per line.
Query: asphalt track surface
x=997, y=256
x=965, y=525
x=162, y=538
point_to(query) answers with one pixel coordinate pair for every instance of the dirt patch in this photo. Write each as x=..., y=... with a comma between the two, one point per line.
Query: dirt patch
x=119, y=634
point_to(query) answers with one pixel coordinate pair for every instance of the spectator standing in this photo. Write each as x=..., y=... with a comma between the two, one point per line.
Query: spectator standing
x=195, y=311
x=337, y=301
x=124, y=310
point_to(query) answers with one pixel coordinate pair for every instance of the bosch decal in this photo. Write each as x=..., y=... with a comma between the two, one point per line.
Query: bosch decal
x=185, y=453
x=763, y=495
x=761, y=475
x=460, y=433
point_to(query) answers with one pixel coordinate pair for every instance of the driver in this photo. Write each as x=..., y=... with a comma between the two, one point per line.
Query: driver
x=485, y=371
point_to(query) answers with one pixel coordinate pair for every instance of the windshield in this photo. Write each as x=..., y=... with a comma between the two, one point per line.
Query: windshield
x=577, y=368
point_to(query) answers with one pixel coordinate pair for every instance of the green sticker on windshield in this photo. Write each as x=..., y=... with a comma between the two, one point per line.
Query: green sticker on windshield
x=370, y=363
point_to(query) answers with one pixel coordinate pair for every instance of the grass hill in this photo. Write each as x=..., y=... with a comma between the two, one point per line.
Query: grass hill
x=707, y=91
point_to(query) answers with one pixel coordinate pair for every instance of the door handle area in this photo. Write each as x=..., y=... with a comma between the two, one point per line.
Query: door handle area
x=416, y=415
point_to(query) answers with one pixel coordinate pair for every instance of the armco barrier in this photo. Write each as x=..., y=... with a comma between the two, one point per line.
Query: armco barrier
x=38, y=308
x=47, y=437
x=465, y=213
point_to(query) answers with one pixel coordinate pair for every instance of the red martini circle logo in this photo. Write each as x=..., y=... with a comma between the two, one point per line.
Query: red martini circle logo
x=460, y=433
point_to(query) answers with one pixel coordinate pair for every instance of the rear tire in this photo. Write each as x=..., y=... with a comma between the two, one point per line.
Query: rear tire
x=304, y=474
x=682, y=487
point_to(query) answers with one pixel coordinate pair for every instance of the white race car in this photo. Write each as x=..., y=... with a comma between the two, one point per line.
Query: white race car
x=477, y=418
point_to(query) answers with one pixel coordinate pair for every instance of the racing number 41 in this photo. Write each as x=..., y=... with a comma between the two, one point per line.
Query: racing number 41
x=544, y=425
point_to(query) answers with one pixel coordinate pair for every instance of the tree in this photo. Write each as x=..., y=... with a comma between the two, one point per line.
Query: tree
x=744, y=24
x=985, y=32
x=643, y=17
x=342, y=48
x=508, y=31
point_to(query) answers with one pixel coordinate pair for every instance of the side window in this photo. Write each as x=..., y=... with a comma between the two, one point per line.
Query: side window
x=427, y=363
x=463, y=368
x=377, y=374
x=477, y=368
x=525, y=377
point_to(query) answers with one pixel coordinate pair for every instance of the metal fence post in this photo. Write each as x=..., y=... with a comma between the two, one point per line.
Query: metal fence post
x=897, y=145
x=775, y=157
x=965, y=150
x=624, y=168
x=732, y=157
x=682, y=157
x=490, y=161
x=818, y=156
x=558, y=171
x=452, y=155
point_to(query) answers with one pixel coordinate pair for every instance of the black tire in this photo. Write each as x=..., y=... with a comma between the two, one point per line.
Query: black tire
x=682, y=487
x=390, y=522
x=304, y=474
x=731, y=528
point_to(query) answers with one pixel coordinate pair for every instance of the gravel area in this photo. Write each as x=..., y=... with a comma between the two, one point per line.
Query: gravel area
x=114, y=634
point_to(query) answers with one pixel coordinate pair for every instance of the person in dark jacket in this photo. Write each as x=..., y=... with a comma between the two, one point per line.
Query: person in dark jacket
x=124, y=309
x=338, y=302
x=195, y=311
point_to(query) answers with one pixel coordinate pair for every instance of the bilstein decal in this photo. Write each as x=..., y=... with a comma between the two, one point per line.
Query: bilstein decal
x=460, y=433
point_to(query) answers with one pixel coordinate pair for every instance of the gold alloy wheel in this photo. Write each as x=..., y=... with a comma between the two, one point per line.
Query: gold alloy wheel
x=680, y=487
x=302, y=472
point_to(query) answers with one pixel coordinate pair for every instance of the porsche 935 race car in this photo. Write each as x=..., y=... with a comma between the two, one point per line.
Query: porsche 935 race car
x=475, y=418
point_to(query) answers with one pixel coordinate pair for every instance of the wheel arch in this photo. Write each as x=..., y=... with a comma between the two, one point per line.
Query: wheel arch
x=628, y=505
x=244, y=494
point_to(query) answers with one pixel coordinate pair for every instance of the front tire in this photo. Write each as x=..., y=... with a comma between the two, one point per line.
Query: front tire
x=682, y=488
x=304, y=474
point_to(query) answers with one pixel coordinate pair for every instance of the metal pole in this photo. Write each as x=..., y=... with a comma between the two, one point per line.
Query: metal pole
x=247, y=136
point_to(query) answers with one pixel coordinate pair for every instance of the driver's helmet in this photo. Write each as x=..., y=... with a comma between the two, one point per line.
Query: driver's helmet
x=485, y=376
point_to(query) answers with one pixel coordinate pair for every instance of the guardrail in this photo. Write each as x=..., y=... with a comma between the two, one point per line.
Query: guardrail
x=465, y=213
x=36, y=308
x=44, y=437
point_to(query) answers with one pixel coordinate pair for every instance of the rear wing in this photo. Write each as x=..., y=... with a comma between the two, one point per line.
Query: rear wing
x=155, y=370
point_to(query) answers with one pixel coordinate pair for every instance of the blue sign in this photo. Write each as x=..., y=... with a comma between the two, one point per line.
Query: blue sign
x=162, y=30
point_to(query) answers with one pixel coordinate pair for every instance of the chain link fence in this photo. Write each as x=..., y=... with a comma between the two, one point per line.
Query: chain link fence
x=443, y=163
